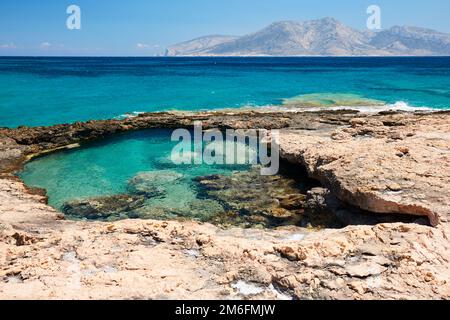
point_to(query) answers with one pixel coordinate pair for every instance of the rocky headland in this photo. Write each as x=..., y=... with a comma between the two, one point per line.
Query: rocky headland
x=374, y=225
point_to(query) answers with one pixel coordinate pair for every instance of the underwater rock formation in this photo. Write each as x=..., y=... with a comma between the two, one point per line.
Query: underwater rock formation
x=151, y=184
x=252, y=200
x=103, y=208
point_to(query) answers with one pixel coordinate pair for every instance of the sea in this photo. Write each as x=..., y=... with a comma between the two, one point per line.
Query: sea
x=45, y=91
x=37, y=91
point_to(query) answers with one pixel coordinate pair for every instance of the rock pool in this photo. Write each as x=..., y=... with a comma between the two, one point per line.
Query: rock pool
x=132, y=176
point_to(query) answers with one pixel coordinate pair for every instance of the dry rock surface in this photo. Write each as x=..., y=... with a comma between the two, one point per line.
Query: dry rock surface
x=386, y=164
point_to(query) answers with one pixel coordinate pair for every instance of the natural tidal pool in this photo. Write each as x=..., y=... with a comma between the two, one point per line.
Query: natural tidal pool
x=133, y=176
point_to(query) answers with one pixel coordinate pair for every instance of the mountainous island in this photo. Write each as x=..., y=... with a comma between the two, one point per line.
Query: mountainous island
x=323, y=37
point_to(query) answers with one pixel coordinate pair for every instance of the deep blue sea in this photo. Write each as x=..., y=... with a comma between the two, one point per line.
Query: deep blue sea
x=44, y=91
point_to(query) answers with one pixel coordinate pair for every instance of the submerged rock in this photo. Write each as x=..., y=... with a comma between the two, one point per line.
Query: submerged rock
x=103, y=208
x=253, y=200
x=203, y=210
x=154, y=213
x=158, y=195
x=152, y=184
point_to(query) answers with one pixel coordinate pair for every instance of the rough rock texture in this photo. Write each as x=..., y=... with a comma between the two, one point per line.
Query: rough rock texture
x=43, y=257
x=321, y=203
x=388, y=164
x=394, y=163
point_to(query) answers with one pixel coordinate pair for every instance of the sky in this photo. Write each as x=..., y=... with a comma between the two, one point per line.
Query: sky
x=147, y=27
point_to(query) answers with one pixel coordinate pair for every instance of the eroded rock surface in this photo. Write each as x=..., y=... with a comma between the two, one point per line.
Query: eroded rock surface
x=45, y=258
x=385, y=164
x=391, y=163
x=321, y=203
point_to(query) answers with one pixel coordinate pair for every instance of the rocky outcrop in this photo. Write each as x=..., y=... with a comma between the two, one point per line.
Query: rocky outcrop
x=43, y=257
x=41, y=139
x=385, y=163
x=320, y=202
x=12, y=154
x=47, y=138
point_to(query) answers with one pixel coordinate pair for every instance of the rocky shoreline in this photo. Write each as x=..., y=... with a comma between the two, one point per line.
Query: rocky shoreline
x=388, y=164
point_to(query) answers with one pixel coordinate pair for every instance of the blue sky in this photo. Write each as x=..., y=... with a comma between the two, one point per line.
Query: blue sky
x=146, y=27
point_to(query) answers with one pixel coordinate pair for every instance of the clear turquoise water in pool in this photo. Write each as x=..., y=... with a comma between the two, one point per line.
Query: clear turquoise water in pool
x=105, y=168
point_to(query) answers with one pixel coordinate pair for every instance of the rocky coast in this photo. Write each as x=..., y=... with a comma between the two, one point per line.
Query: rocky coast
x=374, y=224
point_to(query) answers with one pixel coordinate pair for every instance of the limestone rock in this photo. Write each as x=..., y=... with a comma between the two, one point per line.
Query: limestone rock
x=44, y=257
x=366, y=171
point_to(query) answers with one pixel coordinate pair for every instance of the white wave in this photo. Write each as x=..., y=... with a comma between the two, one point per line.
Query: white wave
x=403, y=106
x=127, y=115
x=397, y=106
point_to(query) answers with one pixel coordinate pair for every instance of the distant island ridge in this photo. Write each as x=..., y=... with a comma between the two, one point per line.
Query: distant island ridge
x=322, y=37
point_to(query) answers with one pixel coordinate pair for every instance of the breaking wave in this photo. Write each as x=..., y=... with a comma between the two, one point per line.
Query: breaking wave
x=313, y=102
x=342, y=101
x=133, y=114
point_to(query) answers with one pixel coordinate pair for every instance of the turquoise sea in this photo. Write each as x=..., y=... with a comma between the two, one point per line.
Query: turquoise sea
x=44, y=91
